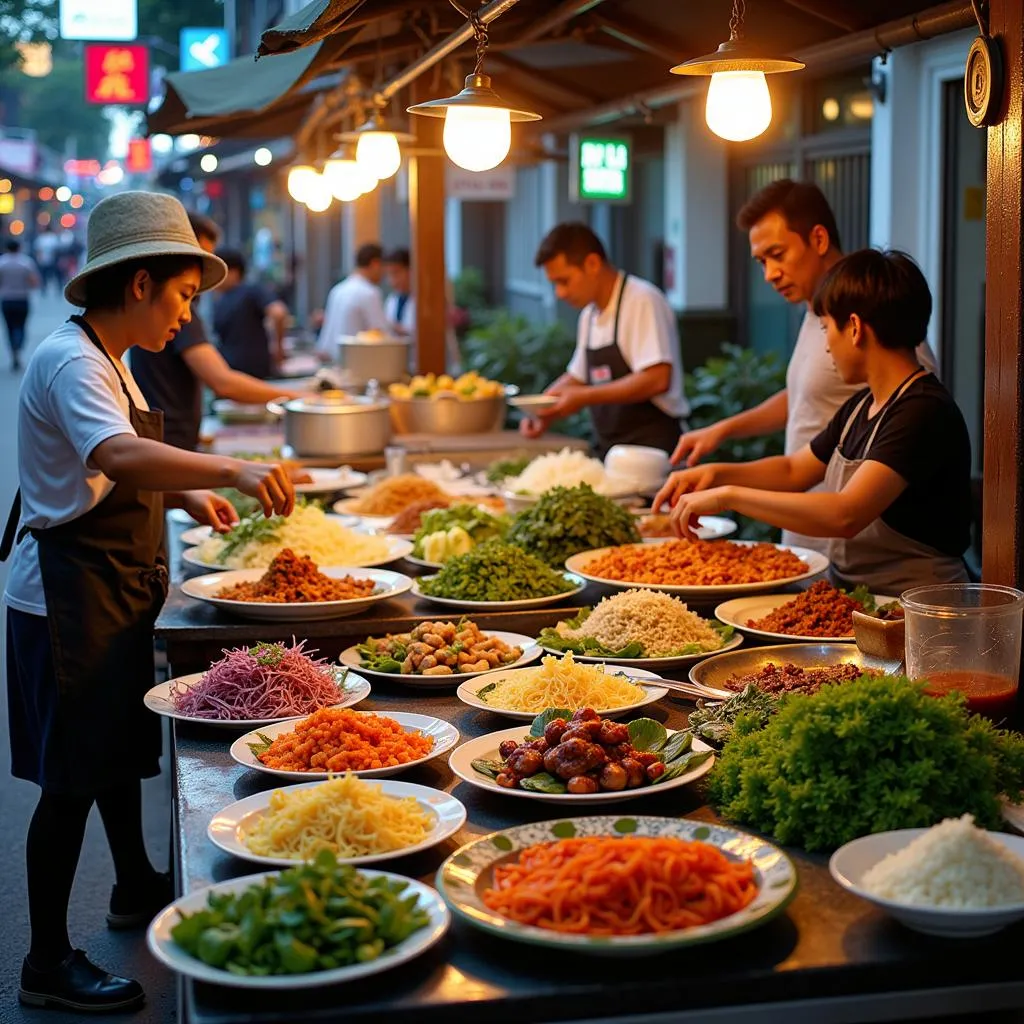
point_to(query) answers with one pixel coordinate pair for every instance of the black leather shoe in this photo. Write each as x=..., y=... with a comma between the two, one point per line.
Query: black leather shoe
x=78, y=984
x=136, y=908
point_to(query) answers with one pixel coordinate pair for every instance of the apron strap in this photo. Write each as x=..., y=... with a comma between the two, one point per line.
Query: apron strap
x=849, y=422
x=618, y=311
x=90, y=333
x=897, y=395
x=13, y=517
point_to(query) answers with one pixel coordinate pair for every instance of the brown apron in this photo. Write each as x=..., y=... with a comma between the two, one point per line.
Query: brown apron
x=105, y=579
x=879, y=557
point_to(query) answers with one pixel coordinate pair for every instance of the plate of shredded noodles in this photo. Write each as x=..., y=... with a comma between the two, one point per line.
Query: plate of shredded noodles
x=255, y=686
x=392, y=495
x=293, y=589
x=255, y=540
x=642, y=628
x=561, y=682
x=360, y=821
x=564, y=884
x=335, y=740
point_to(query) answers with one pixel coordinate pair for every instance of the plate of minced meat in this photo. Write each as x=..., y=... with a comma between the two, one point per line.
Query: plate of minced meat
x=642, y=628
x=787, y=668
x=821, y=612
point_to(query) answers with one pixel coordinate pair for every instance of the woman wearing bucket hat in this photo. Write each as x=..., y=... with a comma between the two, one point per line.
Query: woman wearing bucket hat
x=89, y=576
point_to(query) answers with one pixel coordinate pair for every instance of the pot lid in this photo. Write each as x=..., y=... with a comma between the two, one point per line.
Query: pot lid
x=372, y=338
x=335, y=403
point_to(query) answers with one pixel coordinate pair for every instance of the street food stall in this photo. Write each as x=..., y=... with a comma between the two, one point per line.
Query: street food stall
x=521, y=641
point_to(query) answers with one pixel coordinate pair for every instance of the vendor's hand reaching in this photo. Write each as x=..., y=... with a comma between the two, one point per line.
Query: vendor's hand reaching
x=210, y=509
x=685, y=481
x=695, y=444
x=269, y=484
x=693, y=504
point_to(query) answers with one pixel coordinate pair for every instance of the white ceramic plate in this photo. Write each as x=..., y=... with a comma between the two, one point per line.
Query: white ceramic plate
x=344, y=507
x=352, y=690
x=228, y=410
x=423, y=563
x=486, y=747
x=228, y=828
x=816, y=563
x=742, y=609
x=531, y=652
x=397, y=548
x=206, y=588
x=469, y=692
x=851, y=862
x=529, y=602
x=326, y=481
x=533, y=403
x=445, y=737
x=655, y=664
x=710, y=528
x=169, y=953
x=465, y=875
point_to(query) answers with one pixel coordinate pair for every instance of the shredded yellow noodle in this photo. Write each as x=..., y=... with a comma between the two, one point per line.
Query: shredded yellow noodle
x=307, y=531
x=562, y=683
x=346, y=815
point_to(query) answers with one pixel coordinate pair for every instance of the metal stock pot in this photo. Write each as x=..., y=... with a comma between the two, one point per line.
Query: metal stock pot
x=335, y=423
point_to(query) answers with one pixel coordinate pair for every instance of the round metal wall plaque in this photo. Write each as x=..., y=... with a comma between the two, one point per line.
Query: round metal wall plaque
x=983, y=82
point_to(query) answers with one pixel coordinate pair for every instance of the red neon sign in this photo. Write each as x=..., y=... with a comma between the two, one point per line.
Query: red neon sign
x=117, y=74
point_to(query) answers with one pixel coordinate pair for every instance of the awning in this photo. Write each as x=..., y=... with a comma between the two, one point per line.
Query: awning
x=246, y=97
x=316, y=21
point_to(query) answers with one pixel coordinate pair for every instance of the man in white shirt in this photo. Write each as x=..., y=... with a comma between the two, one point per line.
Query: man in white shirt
x=400, y=305
x=627, y=367
x=355, y=304
x=794, y=237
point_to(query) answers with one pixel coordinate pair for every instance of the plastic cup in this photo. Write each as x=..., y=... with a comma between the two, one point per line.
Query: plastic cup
x=966, y=637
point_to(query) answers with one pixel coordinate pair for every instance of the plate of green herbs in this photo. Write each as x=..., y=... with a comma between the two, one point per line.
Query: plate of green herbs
x=308, y=926
x=479, y=762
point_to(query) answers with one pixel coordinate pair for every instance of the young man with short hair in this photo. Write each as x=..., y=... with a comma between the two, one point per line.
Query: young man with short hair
x=355, y=304
x=895, y=459
x=627, y=368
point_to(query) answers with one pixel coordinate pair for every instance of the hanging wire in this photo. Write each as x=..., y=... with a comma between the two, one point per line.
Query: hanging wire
x=739, y=10
x=480, y=32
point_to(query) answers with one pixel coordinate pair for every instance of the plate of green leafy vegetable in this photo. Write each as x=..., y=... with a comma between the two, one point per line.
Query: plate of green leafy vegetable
x=483, y=761
x=819, y=613
x=295, y=929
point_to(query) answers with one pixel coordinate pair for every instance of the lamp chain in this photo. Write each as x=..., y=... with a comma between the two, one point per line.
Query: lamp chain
x=480, y=32
x=739, y=10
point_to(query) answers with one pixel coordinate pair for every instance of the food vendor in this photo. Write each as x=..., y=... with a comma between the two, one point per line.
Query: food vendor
x=356, y=304
x=172, y=380
x=627, y=368
x=895, y=459
x=793, y=236
x=88, y=577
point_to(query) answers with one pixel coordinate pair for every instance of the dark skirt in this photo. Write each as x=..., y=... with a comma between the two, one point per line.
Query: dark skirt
x=73, y=745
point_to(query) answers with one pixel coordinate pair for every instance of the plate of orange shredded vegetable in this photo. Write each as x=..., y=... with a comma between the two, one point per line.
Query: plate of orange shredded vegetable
x=571, y=884
x=336, y=740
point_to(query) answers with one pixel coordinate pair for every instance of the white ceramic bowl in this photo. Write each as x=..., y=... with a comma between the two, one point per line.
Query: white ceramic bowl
x=851, y=862
x=647, y=467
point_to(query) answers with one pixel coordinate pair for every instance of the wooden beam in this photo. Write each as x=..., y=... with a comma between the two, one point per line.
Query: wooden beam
x=541, y=84
x=564, y=12
x=826, y=12
x=642, y=37
x=426, y=219
x=1003, y=501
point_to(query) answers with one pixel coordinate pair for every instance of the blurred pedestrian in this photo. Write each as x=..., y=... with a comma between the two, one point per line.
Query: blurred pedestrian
x=356, y=304
x=18, y=277
x=241, y=315
x=47, y=253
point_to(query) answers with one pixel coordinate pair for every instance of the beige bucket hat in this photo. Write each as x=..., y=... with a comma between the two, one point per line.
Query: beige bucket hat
x=133, y=225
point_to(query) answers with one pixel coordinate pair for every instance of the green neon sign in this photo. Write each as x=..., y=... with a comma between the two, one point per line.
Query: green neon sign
x=603, y=167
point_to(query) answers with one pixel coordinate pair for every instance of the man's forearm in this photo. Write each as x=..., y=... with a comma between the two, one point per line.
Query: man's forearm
x=767, y=418
x=152, y=466
x=634, y=387
x=240, y=387
x=772, y=474
x=818, y=514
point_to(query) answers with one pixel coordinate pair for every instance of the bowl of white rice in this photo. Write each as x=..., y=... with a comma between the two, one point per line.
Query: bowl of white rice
x=566, y=468
x=953, y=880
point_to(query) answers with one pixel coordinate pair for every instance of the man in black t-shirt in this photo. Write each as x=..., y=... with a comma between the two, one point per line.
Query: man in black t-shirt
x=895, y=459
x=173, y=379
x=240, y=317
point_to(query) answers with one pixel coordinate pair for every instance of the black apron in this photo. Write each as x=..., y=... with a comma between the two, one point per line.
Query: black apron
x=105, y=579
x=632, y=423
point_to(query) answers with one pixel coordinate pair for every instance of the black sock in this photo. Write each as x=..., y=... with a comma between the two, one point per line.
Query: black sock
x=54, y=844
x=121, y=810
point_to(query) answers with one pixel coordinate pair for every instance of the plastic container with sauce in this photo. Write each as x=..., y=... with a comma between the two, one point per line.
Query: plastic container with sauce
x=966, y=637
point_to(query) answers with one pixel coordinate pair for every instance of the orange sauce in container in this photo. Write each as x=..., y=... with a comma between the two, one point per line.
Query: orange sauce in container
x=987, y=693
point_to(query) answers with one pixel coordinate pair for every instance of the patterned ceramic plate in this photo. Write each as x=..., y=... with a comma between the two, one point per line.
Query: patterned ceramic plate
x=465, y=875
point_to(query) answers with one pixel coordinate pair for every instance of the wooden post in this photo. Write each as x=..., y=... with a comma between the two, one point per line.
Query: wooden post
x=1003, y=524
x=426, y=216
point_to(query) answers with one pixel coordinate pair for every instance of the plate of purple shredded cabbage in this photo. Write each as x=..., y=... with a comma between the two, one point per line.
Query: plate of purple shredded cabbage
x=258, y=685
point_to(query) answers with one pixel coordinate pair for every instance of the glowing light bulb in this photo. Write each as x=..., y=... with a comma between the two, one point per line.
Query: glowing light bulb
x=739, y=105
x=347, y=180
x=299, y=178
x=208, y=163
x=378, y=154
x=477, y=138
x=318, y=194
x=263, y=156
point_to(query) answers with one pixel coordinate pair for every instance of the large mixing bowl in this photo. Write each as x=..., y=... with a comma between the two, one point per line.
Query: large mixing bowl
x=448, y=414
x=334, y=424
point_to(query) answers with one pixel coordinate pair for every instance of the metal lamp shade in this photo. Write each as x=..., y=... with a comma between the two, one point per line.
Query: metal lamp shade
x=477, y=93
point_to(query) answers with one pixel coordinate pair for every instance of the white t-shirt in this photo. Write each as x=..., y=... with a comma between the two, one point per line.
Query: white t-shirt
x=408, y=317
x=647, y=336
x=353, y=305
x=814, y=394
x=70, y=401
